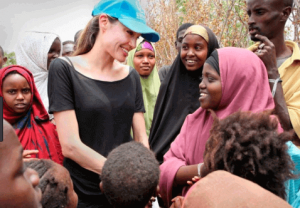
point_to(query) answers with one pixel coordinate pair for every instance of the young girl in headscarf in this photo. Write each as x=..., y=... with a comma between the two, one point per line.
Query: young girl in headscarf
x=35, y=51
x=232, y=79
x=24, y=110
x=142, y=59
x=178, y=95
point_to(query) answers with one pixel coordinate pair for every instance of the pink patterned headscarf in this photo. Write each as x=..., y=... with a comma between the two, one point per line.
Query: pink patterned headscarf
x=144, y=45
x=245, y=87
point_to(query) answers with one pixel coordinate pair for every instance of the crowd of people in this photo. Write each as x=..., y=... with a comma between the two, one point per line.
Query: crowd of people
x=94, y=123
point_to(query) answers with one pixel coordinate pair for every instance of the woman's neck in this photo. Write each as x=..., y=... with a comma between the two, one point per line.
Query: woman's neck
x=99, y=59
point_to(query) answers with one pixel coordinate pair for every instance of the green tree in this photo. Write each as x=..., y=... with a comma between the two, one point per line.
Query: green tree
x=11, y=58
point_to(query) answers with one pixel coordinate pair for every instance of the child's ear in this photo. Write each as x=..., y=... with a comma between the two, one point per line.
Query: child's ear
x=101, y=187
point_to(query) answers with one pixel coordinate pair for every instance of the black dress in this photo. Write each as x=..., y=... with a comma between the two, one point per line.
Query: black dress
x=104, y=112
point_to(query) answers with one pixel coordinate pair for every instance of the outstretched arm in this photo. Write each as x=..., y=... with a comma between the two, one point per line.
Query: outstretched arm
x=139, y=129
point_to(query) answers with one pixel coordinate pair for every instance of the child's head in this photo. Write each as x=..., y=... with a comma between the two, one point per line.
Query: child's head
x=55, y=183
x=16, y=92
x=130, y=176
x=3, y=58
x=221, y=189
x=19, y=186
x=20, y=94
x=248, y=145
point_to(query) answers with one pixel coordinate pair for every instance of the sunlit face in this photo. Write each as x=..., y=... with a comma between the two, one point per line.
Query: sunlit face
x=144, y=61
x=193, y=52
x=19, y=187
x=119, y=40
x=264, y=18
x=54, y=51
x=16, y=93
x=210, y=88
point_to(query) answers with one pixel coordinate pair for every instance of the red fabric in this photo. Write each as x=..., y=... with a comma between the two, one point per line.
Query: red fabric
x=245, y=87
x=33, y=127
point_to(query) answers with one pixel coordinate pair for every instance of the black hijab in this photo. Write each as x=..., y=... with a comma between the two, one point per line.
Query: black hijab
x=213, y=60
x=178, y=96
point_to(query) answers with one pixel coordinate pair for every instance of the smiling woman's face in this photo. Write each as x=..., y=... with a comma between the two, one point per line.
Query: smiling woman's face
x=193, y=52
x=210, y=88
x=144, y=61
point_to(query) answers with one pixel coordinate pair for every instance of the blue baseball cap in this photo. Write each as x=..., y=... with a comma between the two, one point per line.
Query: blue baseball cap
x=130, y=14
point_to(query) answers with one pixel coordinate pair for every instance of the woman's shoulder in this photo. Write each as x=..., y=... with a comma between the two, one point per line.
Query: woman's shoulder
x=132, y=73
x=60, y=66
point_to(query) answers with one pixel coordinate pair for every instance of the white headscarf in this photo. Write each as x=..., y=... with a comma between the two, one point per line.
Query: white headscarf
x=32, y=53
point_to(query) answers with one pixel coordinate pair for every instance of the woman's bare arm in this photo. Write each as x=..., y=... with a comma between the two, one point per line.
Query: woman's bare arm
x=72, y=146
x=139, y=129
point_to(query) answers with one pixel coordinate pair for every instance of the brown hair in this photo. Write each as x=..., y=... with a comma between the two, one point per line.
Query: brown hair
x=248, y=145
x=88, y=36
x=54, y=191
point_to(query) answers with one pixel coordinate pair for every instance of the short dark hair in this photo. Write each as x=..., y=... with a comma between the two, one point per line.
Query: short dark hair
x=68, y=42
x=2, y=51
x=183, y=27
x=54, y=193
x=288, y=3
x=130, y=175
x=248, y=145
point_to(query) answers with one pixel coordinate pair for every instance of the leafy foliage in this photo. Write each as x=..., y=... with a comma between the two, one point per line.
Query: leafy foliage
x=226, y=18
x=11, y=58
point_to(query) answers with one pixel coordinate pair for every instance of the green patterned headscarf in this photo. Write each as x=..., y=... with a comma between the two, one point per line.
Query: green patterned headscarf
x=150, y=84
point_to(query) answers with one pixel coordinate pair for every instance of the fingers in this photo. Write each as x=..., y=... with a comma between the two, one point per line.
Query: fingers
x=264, y=40
x=261, y=46
x=172, y=200
x=178, y=202
x=28, y=153
x=261, y=52
x=190, y=183
x=176, y=198
x=196, y=178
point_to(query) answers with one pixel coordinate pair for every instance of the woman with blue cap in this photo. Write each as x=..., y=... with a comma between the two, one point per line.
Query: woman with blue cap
x=95, y=99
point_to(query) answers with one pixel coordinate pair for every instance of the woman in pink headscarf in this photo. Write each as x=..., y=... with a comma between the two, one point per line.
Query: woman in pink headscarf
x=232, y=79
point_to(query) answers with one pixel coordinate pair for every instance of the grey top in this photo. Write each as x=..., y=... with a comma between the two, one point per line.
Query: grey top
x=281, y=60
x=163, y=72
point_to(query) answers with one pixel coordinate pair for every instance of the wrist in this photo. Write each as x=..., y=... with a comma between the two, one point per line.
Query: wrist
x=275, y=83
x=273, y=73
